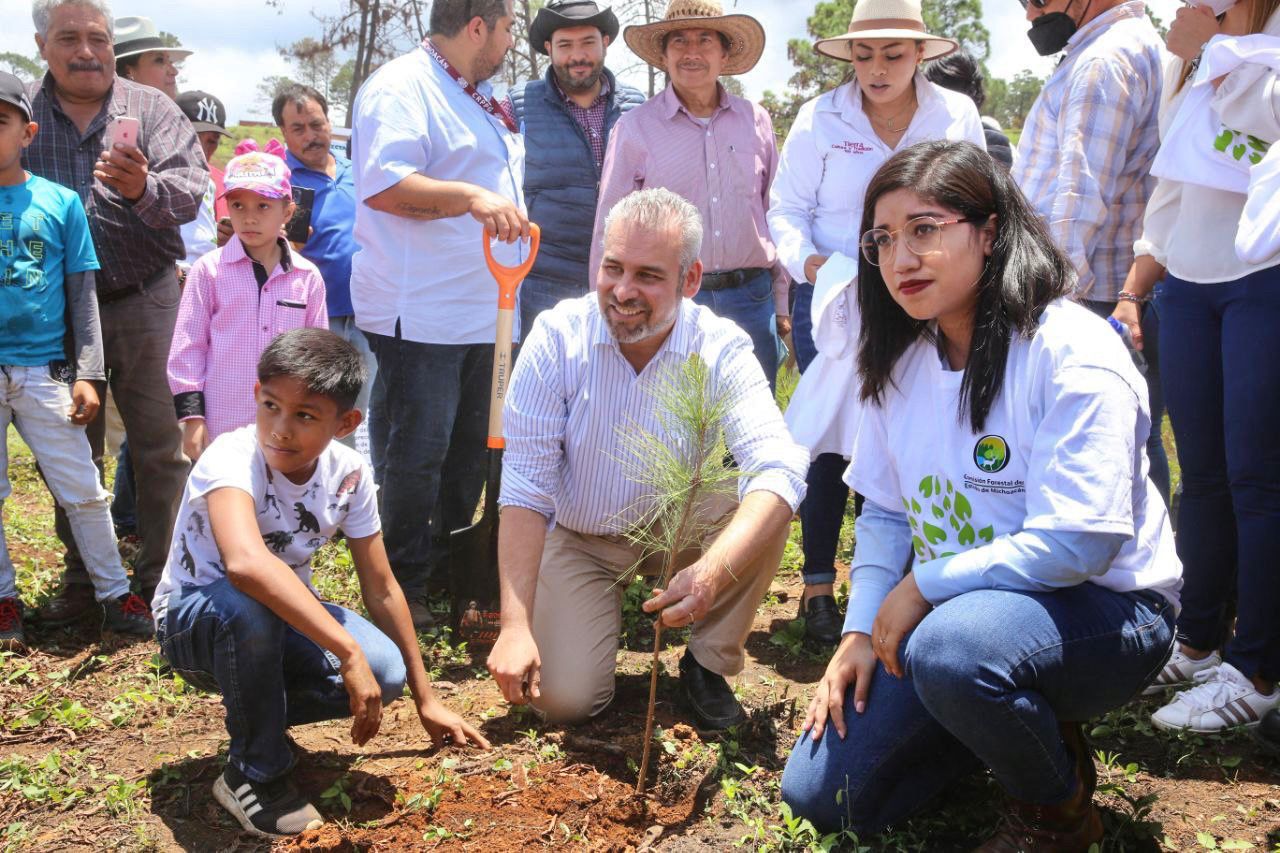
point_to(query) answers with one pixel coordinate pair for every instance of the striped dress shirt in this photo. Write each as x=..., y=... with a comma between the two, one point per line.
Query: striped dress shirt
x=134, y=240
x=225, y=322
x=723, y=166
x=573, y=396
x=1084, y=158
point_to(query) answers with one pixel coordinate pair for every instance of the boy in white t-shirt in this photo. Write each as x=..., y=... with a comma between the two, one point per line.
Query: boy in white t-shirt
x=235, y=609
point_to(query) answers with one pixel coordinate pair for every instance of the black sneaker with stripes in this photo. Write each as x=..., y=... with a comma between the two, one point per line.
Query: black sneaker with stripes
x=272, y=809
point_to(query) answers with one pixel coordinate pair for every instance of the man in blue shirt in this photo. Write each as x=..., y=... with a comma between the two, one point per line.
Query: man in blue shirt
x=302, y=114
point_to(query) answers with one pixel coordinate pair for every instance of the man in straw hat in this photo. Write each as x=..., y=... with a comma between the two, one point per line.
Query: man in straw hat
x=566, y=119
x=715, y=149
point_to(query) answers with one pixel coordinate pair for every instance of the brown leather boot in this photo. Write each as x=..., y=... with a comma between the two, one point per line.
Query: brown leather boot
x=74, y=601
x=1067, y=827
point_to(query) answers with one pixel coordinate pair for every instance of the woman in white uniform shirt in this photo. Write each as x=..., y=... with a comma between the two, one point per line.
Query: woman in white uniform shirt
x=1221, y=371
x=836, y=144
x=1001, y=447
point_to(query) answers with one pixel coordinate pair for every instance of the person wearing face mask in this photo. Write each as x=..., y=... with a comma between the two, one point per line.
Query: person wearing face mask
x=143, y=57
x=715, y=149
x=1000, y=450
x=836, y=144
x=1218, y=316
x=1085, y=153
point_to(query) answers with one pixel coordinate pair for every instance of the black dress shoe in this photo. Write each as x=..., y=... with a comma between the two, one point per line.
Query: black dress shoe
x=1268, y=731
x=823, y=622
x=714, y=706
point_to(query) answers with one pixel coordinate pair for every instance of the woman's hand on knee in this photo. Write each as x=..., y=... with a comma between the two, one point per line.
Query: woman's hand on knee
x=853, y=664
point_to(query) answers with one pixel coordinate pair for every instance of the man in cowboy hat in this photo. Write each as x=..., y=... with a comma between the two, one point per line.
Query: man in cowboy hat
x=566, y=119
x=715, y=149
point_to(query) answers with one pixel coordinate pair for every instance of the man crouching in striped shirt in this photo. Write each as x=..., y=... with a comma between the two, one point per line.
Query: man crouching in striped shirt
x=586, y=371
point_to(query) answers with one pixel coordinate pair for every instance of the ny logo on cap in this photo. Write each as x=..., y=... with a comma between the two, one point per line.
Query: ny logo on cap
x=208, y=111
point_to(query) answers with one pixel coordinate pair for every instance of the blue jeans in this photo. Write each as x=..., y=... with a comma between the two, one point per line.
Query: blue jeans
x=822, y=511
x=124, y=507
x=1222, y=363
x=428, y=427
x=346, y=328
x=977, y=693
x=270, y=676
x=750, y=305
x=541, y=294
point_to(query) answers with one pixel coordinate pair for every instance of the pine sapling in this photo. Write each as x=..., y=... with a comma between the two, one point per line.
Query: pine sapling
x=683, y=468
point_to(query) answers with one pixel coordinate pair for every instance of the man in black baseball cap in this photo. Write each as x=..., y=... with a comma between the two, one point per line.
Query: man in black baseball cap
x=13, y=91
x=208, y=116
x=566, y=118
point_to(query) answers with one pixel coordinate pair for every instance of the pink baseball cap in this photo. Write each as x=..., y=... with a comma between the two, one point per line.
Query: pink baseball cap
x=261, y=172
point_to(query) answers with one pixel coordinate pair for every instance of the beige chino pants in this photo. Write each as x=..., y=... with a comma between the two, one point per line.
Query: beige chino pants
x=577, y=615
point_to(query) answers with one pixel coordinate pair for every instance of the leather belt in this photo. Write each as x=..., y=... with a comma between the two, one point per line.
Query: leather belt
x=730, y=279
x=119, y=293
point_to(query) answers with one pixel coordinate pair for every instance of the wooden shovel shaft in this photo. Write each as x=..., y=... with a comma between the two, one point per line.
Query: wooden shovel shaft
x=501, y=376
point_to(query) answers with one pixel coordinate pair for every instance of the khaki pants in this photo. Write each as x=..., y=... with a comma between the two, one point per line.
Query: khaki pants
x=577, y=615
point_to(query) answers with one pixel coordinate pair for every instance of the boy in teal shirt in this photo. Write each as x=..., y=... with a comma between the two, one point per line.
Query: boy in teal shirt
x=47, y=263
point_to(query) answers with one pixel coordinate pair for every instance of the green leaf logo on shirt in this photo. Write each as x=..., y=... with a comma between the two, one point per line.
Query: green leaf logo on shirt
x=944, y=506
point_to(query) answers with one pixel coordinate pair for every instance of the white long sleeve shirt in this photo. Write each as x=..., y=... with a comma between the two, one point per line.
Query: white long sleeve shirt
x=831, y=153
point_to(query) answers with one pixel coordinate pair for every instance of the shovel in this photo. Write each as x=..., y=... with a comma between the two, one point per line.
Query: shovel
x=473, y=551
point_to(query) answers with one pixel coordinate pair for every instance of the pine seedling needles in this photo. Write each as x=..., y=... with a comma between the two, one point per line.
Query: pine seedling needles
x=683, y=468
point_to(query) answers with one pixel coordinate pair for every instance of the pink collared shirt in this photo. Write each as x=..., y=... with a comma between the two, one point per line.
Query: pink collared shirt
x=723, y=167
x=225, y=322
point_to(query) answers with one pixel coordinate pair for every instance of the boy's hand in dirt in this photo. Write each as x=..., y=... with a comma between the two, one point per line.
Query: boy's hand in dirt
x=444, y=726
x=365, y=696
x=84, y=402
x=514, y=663
x=688, y=598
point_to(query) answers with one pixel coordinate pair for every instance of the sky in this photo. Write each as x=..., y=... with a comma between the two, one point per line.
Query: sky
x=237, y=46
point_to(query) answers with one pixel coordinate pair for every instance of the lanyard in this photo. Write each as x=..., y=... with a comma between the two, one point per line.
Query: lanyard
x=501, y=111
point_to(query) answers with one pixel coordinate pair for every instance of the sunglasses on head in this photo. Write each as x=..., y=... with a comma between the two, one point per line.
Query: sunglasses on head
x=1039, y=4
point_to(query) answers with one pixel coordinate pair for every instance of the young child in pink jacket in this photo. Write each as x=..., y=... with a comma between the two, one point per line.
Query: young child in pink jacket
x=237, y=299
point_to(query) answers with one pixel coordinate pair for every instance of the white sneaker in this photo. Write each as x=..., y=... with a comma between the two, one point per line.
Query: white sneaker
x=1222, y=699
x=1180, y=670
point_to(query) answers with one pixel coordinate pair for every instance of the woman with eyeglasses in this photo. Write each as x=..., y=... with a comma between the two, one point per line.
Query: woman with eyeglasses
x=835, y=145
x=1001, y=450
x=1219, y=317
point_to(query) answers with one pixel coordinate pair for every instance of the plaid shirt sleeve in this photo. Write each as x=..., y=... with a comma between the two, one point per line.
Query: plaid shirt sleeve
x=177, y=178
x=1094, y=131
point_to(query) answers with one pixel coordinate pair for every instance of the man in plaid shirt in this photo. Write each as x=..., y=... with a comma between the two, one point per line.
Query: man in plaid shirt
x=1086, y=148
x=136, y=197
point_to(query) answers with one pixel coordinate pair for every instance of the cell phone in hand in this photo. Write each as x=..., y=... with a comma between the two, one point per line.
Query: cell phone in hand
x=299, y=227
x=122, y=129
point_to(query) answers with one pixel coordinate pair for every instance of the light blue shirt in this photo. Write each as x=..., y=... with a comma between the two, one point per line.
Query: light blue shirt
x=411, y=117
x=573, y=396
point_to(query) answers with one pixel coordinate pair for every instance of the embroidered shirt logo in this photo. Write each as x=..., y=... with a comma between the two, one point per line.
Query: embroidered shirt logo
x=851, y=147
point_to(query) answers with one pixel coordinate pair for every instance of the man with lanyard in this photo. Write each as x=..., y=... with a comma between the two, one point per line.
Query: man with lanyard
x=1085, y=154
x=566, y=119
x=136, y=197
x=439, y=163
x=715, y=149
x=302, y=114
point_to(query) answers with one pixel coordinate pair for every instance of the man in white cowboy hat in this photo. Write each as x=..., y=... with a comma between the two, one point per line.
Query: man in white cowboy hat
x=715, y=149
x=566, y=118
x=143, y=56
x=1084, y=158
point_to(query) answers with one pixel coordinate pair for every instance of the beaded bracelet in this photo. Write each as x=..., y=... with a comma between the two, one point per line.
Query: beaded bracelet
x=1126, y=296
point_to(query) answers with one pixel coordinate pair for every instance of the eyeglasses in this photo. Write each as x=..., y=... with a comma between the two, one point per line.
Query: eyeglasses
x=922, y=236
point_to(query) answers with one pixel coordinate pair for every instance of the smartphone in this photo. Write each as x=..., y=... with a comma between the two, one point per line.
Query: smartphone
x=122, y=129
x=299, y=227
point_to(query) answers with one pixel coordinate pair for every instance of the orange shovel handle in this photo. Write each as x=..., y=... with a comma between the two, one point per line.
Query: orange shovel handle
x=509, y=278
